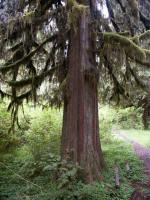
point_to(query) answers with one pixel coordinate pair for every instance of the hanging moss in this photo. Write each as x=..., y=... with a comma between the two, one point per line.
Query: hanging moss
x=22, y=21
x=36, y=79
x=63, y=84
x=58, y=92
x=27, y=18
x=92, y=76
x=27, y=57
x=75, y=10
x=12, y=23
x=134, y=8
x=131, y=49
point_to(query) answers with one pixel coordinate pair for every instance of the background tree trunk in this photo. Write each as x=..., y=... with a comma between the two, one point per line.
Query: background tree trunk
x=80, y=123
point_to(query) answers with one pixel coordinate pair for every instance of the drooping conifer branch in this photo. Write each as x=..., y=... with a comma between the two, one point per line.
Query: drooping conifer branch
x=4, y=94
x=19, y=53
x=26, y=58
x=137, y=79
x=119, y=90
x=131, y=49
x=16, y=46
x=37, y=79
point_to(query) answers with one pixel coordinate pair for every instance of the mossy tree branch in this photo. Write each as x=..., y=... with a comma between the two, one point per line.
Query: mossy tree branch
x=36, y=79
x=25, y=59
x=131, y=49
x=118, y=88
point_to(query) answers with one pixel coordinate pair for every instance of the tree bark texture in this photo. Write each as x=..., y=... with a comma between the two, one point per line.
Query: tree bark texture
x=80, y=135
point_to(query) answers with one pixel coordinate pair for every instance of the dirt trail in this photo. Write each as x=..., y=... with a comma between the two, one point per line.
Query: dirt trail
x=142, y=152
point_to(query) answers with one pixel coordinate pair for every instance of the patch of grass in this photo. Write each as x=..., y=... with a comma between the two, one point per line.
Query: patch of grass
x=140, y=136
x=118, y=152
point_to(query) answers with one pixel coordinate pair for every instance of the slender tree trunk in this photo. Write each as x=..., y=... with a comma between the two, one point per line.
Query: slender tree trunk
x=80, y=134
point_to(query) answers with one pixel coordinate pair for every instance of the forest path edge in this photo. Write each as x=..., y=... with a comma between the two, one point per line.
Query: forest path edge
x=143, y=153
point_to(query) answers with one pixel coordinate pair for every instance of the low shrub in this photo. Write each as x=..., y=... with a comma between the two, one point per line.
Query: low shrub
x=119, y=118
x=44, y=134
x=129, y=118
x=9, y=139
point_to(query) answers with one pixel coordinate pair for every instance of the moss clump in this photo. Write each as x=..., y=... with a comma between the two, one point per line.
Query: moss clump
x=130, y=48
x=135, y=39
x=75, y=10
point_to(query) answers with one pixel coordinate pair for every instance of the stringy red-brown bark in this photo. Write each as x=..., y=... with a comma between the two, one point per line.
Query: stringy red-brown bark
x=80, y=122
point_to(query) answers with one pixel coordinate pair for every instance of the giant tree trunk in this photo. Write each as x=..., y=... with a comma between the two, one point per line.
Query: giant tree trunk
x=80, y=122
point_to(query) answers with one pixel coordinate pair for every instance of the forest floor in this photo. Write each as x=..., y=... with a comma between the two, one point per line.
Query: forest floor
x=144, y=154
